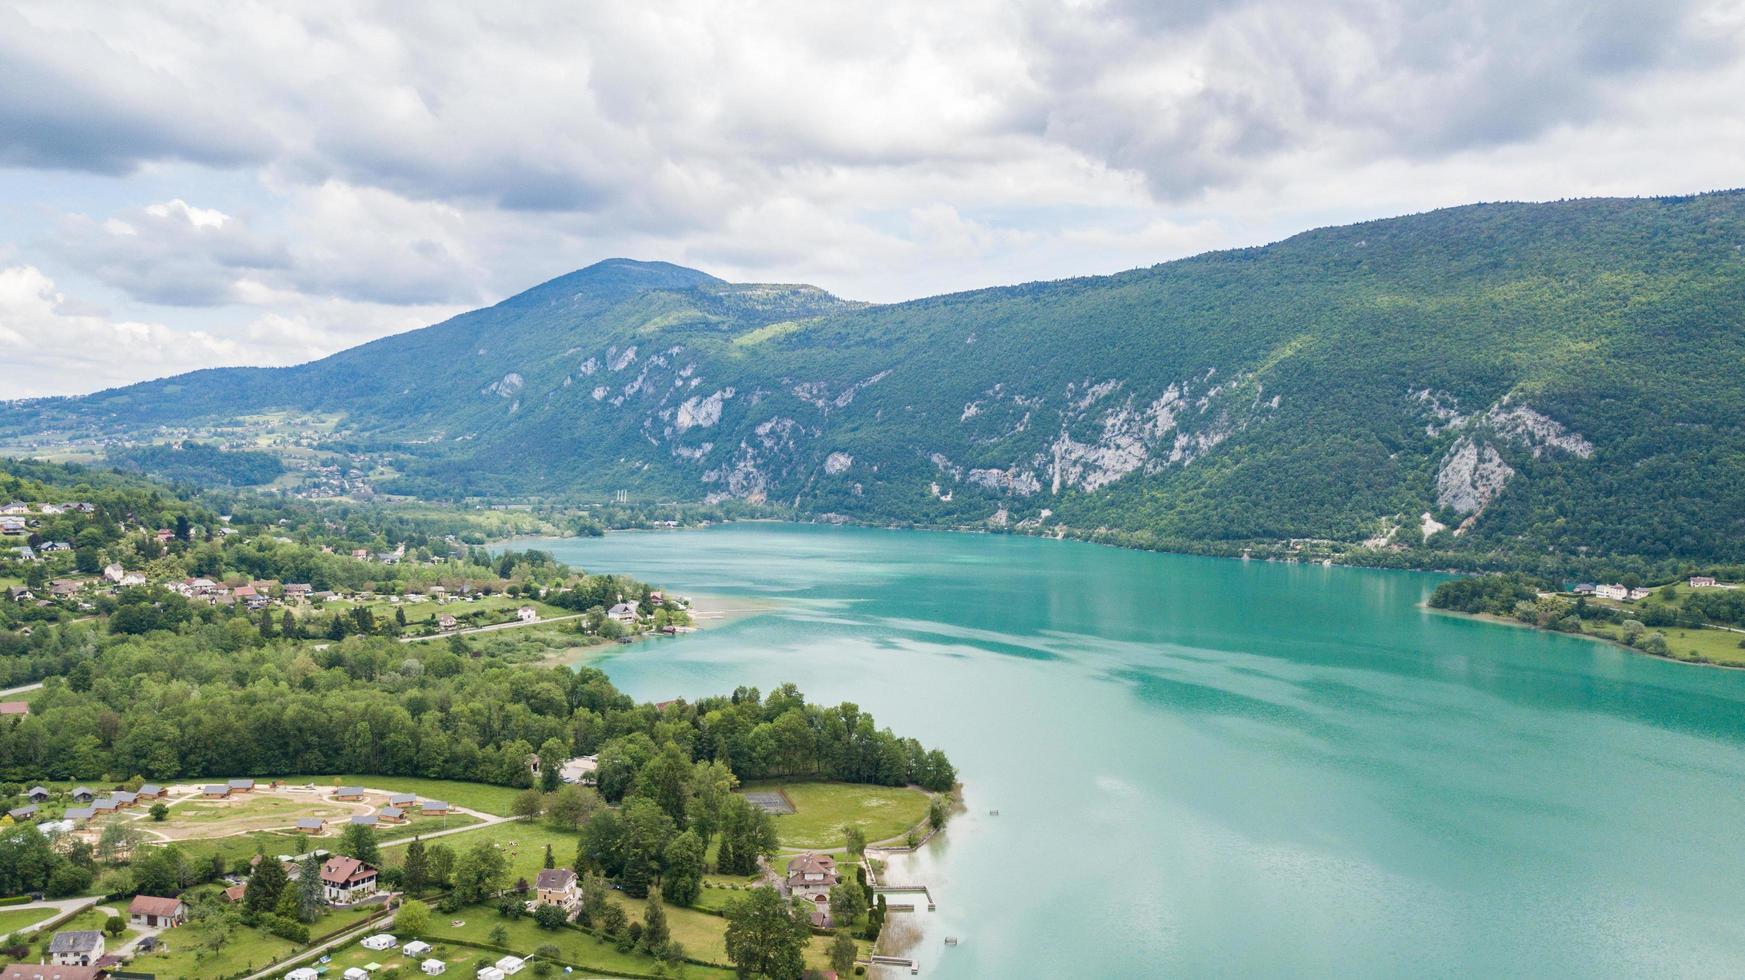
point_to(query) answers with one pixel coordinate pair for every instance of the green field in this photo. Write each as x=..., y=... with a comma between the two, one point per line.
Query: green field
x=245, y=949
x=522, y=842
x=474, y=796
x=524, y=937
x=12, y=920
x=1710, y=645
x=821, y=810
x=488, y=610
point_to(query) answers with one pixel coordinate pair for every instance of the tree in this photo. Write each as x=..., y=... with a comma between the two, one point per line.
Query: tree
x=552, y=756
x=937, y=812
x=843, y=953
x=550, y=859
x=480, y=873
x=847, y=900
x=655, y=932
x=414, y=869
x=764, y=935
x=571, y=806
x=683, y=879
x=413, y=918
x=595, y=896
x=498, y=936
x=289, y=906
x=528, y=804
x=115, y=925
x=549, y=916
x=441, y=865
x=264, y=885
x=309, y=888
x=160, y=812
x=359, y=841
x=854, y=839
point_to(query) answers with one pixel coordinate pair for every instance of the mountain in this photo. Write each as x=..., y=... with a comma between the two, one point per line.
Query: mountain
x=1558, y=379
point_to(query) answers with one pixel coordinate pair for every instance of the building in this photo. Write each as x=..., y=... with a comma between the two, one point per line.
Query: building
x=242, y=785
x=623, y=613
x=151, y=791
x=82, y=794
x=157, y=913
x=216, y=791
x=1635, y=594
x=235, y=893
x=416, y=947
x=527, y=614
x=22, y=813
x=380, y=941
x=345, y=880
x=38, y=794
x=83, y=947
x=392, y=814
x=558, y=886
x=1703, y=582
x=349, y=793
x=402, y=800
x=78, y=814
x=123, y=799
x=511, y=965
x=364, y=820
x=445, y=622
x=303, y=973
x=810, y=876
x=17, y=708
x=433, y=808
x=1618, y=592
x=311, y=825
x=433, y=968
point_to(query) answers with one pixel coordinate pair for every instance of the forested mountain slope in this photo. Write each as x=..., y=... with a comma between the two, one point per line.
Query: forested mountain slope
x=1565, y=377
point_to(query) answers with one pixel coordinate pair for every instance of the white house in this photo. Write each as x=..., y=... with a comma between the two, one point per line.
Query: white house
x=1617, y=592
x=433, y=968
x=1702, y=581
x=527, y=614
x=623, y=612
x=1636, y=594
x=416, y=947
x=380, y=941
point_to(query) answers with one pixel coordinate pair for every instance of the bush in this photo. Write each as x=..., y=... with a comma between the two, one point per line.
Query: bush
x=550, y=916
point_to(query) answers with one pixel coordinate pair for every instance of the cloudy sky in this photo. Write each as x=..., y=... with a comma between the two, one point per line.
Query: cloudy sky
x=186, y=185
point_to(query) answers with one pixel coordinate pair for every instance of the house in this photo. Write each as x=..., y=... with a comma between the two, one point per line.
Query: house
x=83, y=795
x=14, y=708
x=124, y=799
x=105, y=805
x=416, y=947
x=345, y=880
x=298, y=592
x=623, y=613
x=150, y=910
x=77, y=814
x=557, y=886
x=38, y=794
x=1703, y=582
x=364, y=820
x=811, y=875
x=1584, y=588
x=1618, y=592
x=446, y=622
x=216, y=791
x=25, y=552
x=151, y=791
x=402, y=800
x=527, y=614
x=433, y=968
x=380, y=941
x=41, y=971
x=22, y=813
x=433, y=808
x=311, y=825
x=511, y=965
x=242, y=785
x=1636, y=594
x=349, y=793
x=19, y=593
x=303, y=973
x=392, y=814
x=64, y=588
x=51, y=547
x=113, y=572
x=235, y=893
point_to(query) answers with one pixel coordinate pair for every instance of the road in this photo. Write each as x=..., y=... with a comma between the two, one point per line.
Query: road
x=53, y=908
x=26, y=689
x=489, y=629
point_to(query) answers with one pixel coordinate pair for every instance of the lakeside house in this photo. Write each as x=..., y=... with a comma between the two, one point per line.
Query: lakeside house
x=810, y=878
x=345, y=880
x=79, y=947
x=624, y=613
x=156, y=912
x=1612, y=591
x=558, y=886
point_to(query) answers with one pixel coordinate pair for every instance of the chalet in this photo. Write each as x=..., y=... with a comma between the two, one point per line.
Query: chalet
x=105, y=805
x=165, y=535
x=1703, y=582
x=12, y=525
x=53, y=547
x=151, y=791
x=1584, y=588
x=446, y=622
x=361, y=553
x=79, y=947
x=811, y=875
x=311, y=825
x=124, y=799
x=623, y=613
x=38, y=794
x=216, y=791
x=14, y=708
x=22, y=813
x=242, y=785
x=15, y=508
x=349, y=793
x=527, y=614
x=392, y=814
x=364, y=820
x=157, y=913
x=345, y=880
x=402, y=800
x=656, y=599
x=83, y=795
x=78, y=814
x=558, y=886
x=433, y=808
x=52, y=509
x=298, y=592
x=43, y=971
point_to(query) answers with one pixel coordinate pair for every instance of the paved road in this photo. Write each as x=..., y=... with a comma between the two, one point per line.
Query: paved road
x=488, y=629
x=52, y=908
x=26, y=689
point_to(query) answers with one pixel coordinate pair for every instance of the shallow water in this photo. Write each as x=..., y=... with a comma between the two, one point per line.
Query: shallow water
x=1214, y=767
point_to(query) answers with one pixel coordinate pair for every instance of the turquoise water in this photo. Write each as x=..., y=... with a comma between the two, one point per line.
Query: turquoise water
x=1220, y=768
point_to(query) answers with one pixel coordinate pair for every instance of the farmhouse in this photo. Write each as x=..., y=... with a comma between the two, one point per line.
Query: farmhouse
x=345, y=880
x=150, y=910
x=18, y=708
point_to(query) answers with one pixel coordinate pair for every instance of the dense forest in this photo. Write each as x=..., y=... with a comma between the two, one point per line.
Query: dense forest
x=1538, y=379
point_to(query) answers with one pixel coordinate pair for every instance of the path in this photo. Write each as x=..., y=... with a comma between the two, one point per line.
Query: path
x=26, y=689
x=56, y=907
x=487, y=629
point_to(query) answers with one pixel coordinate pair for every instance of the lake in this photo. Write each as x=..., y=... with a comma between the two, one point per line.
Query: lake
x=1216, y=767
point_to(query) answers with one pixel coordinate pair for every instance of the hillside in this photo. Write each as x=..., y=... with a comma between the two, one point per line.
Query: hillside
x=1544, y=379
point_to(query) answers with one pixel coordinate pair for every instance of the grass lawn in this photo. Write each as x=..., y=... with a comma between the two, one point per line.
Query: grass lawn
x=523, y=843
x=705, y=936
x=474, y=796
x=1711, y=645
x=238, y=849
x=11, y=920
x=245, y=948
x=821, y=810
x=525, y=936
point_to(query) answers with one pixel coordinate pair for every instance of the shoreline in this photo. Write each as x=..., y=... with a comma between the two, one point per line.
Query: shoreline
x=1604, y=640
